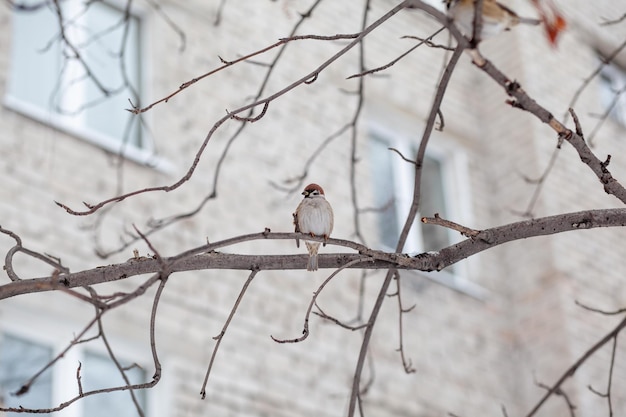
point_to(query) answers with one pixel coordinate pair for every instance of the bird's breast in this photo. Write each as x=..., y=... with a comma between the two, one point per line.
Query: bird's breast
x=316, y=217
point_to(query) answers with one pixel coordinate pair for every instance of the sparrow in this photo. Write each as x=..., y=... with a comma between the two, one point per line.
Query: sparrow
x=314, y=216
x=496, y=17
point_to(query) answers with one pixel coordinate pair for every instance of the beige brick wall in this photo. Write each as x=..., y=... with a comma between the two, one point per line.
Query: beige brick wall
x=470, y=355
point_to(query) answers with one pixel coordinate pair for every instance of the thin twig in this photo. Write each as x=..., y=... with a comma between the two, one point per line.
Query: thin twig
x=439, y=221
x=298, y=180
x=19, y=248
x=305, y=331
x=325, y=316
x=596, y=310
x=26, y=386
x=168, y=20
x=613, y=21
x=587, y=81
x=406, y=363
x=219, y=337
x=119, y=367
x=404, y=158
x=354, y=191
x=395, y=61
x=570, y=405
x=572, y=369
x=78, y=379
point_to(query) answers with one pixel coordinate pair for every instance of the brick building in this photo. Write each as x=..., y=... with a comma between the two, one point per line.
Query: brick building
x=482, y=333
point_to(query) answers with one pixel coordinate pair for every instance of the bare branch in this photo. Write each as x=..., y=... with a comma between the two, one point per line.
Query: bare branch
x=540, y=182
x=203, y=256
x=78, y=378
x=8, y=260
x=325, y=316
x=426, y=41
x=524, y=102
x=595, y=310
x=299, y=179
x=219, y=337
x=92, y=208
x=571, y=407
x=78, y=339
x=166, y=18
x=119, y=367
x=572, y=369
x=404, y=158
x=465, y=231
x=354, y=192
x=305, y=331
x=406, y=363
x=613, y=21
x=587, y=81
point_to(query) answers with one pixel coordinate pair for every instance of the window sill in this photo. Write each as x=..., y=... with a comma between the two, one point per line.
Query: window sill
x=131, y=152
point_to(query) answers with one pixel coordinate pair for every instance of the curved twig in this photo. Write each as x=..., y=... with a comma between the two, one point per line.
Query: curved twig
x=406, y=363
x=8, y=259
x=572, y=369
x=220, y=336
x=305, y=331
x=421, y=42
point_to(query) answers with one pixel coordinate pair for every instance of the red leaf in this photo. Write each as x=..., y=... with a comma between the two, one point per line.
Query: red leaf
x=553, y=21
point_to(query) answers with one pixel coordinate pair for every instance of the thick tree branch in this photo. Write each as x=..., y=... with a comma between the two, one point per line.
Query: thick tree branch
x=523, y=101
x=203, y=257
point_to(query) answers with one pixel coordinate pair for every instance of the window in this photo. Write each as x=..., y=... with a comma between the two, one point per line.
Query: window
x=444, y=181
x=100, y=372
x=394, y=192
x=87, y=96
x=613, y=92
x=20, y=359
x=444, y=190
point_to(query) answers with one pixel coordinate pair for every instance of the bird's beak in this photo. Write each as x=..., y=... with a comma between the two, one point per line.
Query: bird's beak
x=305, y=193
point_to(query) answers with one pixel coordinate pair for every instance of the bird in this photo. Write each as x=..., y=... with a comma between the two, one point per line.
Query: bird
x=313, y=216
x=496, y=17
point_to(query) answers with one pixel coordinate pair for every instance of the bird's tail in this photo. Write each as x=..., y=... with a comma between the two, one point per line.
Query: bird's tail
x=312, y=247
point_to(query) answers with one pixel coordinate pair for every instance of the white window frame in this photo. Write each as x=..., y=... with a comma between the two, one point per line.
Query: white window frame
x=145, y=154
x=41, y=327
x=455, y=174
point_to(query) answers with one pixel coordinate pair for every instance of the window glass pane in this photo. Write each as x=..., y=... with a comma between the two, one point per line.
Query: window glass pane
x=393, y=176
x=31, y=51
x=613, y=92
x=431, y=202
x=384, y=195
x=107, y=42
x=99, y=371
x=19, y=361
x=107, y=36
